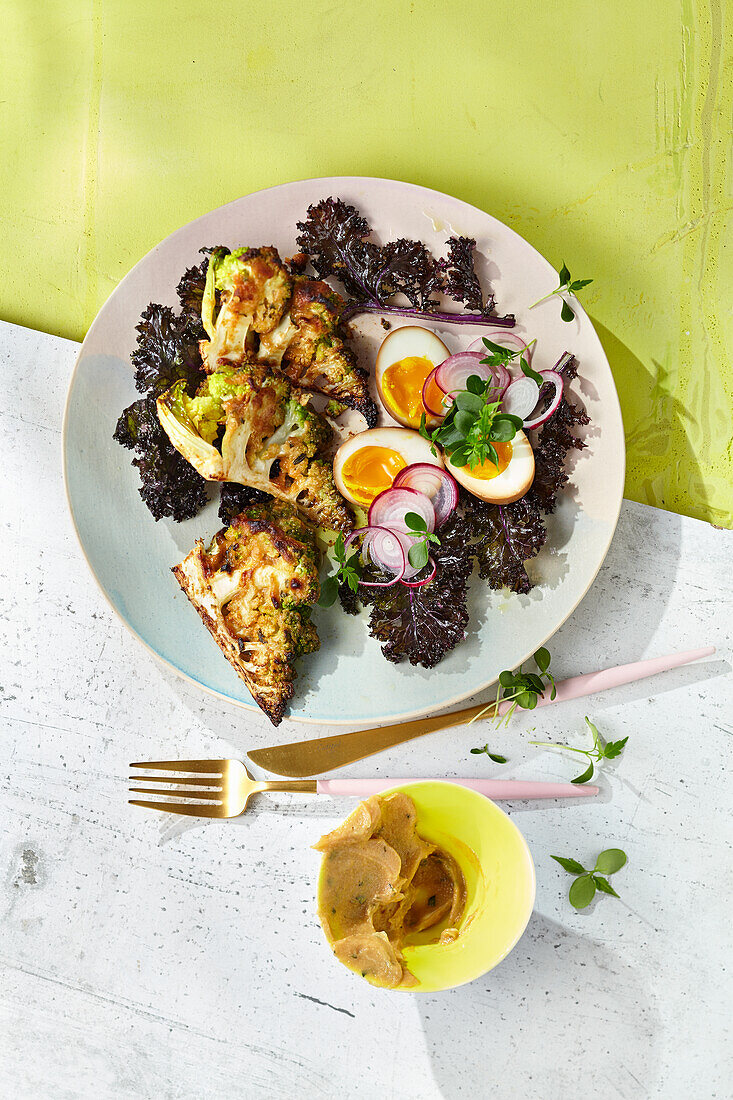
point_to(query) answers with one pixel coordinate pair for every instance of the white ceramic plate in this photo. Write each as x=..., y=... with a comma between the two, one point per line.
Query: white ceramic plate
x=348, y=681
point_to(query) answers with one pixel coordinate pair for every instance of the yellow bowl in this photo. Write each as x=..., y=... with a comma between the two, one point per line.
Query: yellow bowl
x=500, y=883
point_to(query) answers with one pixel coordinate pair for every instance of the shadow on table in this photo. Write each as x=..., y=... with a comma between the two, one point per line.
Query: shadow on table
x=561, y=1017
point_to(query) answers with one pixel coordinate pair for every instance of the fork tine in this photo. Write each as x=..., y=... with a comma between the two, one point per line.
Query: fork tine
x=215, y=766
x=199, y=780
x=180, y=808
x=217, y=795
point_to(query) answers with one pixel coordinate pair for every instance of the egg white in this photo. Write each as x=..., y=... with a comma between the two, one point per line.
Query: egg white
x=410, y=340
x=508, y=486
x=407, y=443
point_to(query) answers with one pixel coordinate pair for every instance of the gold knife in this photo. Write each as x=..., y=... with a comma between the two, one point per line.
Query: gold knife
x=322, y=754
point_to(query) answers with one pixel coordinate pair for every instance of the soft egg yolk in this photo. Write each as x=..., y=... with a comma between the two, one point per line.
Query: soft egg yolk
x=402, y=384
x=371, y=470
x=487, y=469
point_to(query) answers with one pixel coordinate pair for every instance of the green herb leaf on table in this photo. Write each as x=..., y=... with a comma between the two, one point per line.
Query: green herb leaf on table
x=491, y=755
x=521, y=689
x=583, y=889
x=601, y=750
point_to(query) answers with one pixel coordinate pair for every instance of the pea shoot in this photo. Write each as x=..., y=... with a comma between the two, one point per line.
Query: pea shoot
x=521, y=689
x=567, y=285
x=583, y=889
x=418, y=553
x=472, y=425
x=491, y=755
x=602, y=750
x=348, y=572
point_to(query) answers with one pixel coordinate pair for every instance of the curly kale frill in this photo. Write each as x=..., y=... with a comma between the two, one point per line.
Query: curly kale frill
x=168, y=484
x=339, y=244
x=421, y=625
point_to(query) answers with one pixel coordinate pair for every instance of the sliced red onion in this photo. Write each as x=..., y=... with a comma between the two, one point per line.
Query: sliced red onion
x=453, y=373
x=431, y=568
x=390, y=507
x=505, y=338
x=552, y=378
x=436, y=483
x=521, y=397
x=426, y=390
x=385, y=549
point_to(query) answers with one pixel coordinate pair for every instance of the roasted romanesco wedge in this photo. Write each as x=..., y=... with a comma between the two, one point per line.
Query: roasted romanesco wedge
x=253, y=588
x=272, y=439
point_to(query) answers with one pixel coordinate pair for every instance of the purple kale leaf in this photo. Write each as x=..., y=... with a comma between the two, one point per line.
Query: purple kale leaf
x=338, y=241
x=505, y=538
x=421, y=625
x=170, y=486
x=461, y=281
x=556, y=438
x=235, y=497
x=167, y=349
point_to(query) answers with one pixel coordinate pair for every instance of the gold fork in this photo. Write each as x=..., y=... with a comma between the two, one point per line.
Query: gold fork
x=221, y=788
x=228, y=784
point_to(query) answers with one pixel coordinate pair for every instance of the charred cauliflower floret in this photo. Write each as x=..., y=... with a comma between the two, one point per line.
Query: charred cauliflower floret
x=314, y=353
x=247, y=291
x=253, y=588
x=271, y=440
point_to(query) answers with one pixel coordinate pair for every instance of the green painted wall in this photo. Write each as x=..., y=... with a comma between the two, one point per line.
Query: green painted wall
x=601, y=132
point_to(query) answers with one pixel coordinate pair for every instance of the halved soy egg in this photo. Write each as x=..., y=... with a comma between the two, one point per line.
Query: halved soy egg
x=404, y=361
x=504, y=483
x=368, y=463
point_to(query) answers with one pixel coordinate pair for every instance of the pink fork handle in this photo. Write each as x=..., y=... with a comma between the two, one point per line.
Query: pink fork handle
x=492, y=788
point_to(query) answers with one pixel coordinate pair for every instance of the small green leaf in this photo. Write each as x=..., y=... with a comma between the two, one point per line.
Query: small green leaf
x=329, y=592
x=529, y=373
x=566, y=312
x=506, y=678
x=587, y=774
x=477, y=752
x=417, y=555
x=542, y=659
x=469, y=402
x=597, y=739
x=614, y=748
x=496, y=758
x=415, y=522
x=578, y=284
x=476, y=385
x=527, y=700
x=582, y=892
x=604, y=885
x=564, y=274
x=497, y=349
x=570, y=865
x=610, y=861
x=534, y=683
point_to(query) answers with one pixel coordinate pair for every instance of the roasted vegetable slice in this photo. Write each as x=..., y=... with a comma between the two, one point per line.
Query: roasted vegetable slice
x=253, y=588
x=272, y=439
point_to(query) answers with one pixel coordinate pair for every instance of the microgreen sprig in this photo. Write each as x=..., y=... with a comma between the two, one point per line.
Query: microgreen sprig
x=567, y=285
x=499, y=356
x=602, y=750
x=583, y=889
x=491, y=755
x=348, y=573
x=521, y=689
x=418, y=553
x=472, y=426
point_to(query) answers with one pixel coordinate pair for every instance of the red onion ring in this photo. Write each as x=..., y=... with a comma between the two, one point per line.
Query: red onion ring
x=424, y=580
x=521, y=397
x=435, y=482
x=554, y=379
x=385, y=549
x=388, y=509
x=452, y=374
x=426, y=390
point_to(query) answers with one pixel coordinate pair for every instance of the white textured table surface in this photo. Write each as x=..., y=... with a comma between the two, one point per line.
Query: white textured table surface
x=143, y=956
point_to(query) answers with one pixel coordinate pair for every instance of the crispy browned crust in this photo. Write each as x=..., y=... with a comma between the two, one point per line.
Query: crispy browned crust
x=273, y=702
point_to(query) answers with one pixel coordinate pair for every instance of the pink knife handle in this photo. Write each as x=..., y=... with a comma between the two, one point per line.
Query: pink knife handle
x=492, y=788
x=578, y=686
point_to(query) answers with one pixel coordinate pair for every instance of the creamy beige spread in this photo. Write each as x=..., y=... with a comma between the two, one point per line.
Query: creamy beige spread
x=382, y=884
